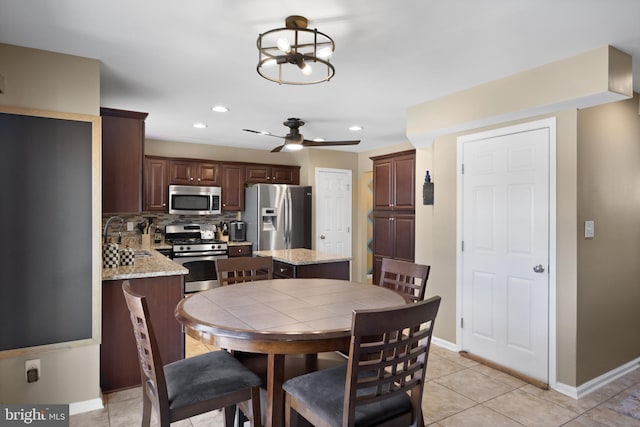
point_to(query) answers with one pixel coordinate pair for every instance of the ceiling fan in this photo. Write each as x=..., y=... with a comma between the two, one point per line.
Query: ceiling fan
x=295, y=141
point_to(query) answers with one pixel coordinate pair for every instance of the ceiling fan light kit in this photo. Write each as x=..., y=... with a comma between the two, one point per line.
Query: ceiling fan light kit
x=295, y=54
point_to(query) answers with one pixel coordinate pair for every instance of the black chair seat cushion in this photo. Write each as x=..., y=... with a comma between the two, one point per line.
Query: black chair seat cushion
x=323, y=392
x=205, y=377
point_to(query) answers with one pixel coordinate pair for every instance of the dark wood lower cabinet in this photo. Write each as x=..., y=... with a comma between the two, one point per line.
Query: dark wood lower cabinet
x=119, y=366
x=326, y=270
x=393, y=237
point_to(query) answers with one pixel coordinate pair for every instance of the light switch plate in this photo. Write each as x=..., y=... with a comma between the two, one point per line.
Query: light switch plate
x=589, y=230
x=129, y=226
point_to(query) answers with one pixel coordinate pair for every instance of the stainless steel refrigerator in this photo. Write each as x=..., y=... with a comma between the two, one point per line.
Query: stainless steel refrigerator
x=278, y=216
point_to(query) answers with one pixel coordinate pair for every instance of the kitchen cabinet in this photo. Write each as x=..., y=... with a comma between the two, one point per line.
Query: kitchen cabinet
x=194, y=172
x=232, y=187
x=272, y=174
x=393, y=237
x=326, y=270
x=239, y=250
x=393, y=208
x=119, y=366
x=122, y=148
x=394, y=180
x=156, y=181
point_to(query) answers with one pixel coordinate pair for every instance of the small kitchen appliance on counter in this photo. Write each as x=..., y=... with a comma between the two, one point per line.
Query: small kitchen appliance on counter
x=237, y=231
x=194, y=247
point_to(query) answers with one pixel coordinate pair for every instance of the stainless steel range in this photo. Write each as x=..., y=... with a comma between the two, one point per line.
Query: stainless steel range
x=194, y=247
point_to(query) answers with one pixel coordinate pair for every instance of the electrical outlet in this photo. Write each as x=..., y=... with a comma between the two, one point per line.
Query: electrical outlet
x=32, y=370
x=129, y=226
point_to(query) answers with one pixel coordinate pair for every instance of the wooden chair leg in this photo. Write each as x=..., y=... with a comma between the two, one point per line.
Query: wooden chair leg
x=146, y=410
x=255, y=407
x=229, y=415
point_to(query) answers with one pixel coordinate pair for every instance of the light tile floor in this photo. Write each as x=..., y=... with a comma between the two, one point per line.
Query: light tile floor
x=458, y=392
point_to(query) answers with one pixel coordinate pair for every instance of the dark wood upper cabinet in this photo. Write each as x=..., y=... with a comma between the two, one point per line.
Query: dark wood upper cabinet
x=156, y=182
x=270, y=174
x=232, y=187
x=394, y=179
x=194, y=172
x=160, y=172
x=122, y=152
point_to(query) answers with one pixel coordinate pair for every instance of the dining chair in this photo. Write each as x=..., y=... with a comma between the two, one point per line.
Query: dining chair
x=191, y=386
x=383, y=381
x=243, y=269
x=405, y=277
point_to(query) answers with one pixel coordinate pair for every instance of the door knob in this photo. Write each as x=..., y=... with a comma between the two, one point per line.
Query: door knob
x=322, y=236
x=538, y=268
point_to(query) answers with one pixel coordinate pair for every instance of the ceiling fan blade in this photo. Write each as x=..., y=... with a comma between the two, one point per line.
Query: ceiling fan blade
x=262, y=133
x=308, y=143
x=278, y=148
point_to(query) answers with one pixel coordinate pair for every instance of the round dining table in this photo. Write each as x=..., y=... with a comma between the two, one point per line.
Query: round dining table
x=279, y=317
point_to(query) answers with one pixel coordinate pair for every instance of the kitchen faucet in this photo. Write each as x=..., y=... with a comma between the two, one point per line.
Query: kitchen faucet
x=106, y=228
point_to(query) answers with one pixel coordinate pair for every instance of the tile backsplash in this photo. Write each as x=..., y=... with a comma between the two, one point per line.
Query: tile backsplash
x=160, y=220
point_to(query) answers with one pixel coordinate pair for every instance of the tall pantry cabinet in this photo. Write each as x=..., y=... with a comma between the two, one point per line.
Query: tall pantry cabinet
x=394, y=180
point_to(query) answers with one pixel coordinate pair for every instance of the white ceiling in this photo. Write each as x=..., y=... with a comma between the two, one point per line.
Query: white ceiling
x=177, y=59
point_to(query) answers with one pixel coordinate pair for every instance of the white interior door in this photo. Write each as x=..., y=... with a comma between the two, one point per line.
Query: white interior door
x=333, y=211
x=505, y=255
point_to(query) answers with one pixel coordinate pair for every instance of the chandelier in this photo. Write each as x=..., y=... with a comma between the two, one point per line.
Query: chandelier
x=295, y=55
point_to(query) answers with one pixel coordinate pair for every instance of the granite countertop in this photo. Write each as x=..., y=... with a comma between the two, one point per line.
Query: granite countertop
x=302, y=256
x=153, y=265
x=244, y=243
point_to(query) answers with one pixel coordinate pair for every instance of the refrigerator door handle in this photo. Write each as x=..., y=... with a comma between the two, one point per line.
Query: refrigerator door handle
x=287, y=220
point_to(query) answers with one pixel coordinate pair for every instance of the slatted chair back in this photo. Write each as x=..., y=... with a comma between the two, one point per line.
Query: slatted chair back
x=395, y=363
x=192, y=386
x=153, y=380
x=244, y=269
x=405, y=277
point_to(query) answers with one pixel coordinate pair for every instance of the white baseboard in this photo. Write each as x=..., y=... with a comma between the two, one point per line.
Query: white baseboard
x=85, y=406
x=445, y=344
x=598, y=382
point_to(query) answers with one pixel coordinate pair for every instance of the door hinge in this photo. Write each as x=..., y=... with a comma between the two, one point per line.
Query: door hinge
x=462, y=246
x=462, y=169
x=461, y=323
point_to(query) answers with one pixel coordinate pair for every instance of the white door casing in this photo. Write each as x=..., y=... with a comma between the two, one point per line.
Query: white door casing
x=333, y=211
x=504, y=222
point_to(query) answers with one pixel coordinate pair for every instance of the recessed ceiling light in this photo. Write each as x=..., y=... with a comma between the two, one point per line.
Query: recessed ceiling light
x=355, y=128
x=199, y=125
x=220, y=109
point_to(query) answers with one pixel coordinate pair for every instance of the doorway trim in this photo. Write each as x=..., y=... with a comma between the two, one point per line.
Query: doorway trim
x=550, y=124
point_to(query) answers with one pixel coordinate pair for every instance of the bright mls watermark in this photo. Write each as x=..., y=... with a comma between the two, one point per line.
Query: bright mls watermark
x=34, y=415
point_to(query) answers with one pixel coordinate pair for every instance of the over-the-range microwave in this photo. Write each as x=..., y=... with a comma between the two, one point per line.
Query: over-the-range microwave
x=195, y=200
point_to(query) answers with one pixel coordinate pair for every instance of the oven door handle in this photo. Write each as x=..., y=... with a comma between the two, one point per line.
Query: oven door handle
x=199, y=254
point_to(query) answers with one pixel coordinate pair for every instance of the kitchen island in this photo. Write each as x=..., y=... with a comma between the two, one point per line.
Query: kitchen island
x=307, y=263
x=161, y=281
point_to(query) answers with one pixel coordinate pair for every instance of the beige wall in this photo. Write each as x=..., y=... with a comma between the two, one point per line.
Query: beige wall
x=591, y=78
x=153, y=147
x=609, y=264
x=48, y=81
